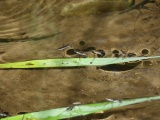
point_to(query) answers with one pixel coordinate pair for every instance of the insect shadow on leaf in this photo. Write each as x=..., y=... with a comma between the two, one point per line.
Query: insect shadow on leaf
x=70, y=108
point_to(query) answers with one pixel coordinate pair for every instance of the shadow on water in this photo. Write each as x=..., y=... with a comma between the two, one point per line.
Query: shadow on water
x=119, y=67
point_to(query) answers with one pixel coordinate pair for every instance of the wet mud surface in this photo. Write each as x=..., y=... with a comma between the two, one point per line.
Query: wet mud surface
x=23, y=25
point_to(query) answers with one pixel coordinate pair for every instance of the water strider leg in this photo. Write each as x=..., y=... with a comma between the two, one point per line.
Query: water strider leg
x=71, y=107
x=113, y=101
x=93, y=59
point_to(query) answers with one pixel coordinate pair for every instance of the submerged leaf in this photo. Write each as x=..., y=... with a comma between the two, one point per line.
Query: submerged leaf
x=79, y=110
x=72, y=62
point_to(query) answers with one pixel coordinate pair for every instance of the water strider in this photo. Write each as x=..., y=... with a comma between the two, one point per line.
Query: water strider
x=64, y=47
x=123, y=53
x=120, y=53
x=111, y=100
x=81, y=53
x=2, y=114
x=73, y=105
x=95, y=52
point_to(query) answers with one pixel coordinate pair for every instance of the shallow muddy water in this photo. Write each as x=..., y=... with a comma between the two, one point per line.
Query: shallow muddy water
x=35, y=30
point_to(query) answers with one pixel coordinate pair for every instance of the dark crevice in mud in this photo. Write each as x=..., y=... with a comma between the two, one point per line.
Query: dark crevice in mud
x=42, y=68
x=70, y=52
x=119, y=67
x=77, y=67
x=7, y=40
x=82, y=43
x=89, y=49
x=115, y=53
x=118, y=53
x=22, y=113
x=144, y=51
x=62, y=68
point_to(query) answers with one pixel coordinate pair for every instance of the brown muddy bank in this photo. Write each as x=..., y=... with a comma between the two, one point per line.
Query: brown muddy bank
x=23, y=27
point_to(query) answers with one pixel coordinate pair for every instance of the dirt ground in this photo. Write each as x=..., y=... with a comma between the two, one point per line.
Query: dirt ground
x=24, y=23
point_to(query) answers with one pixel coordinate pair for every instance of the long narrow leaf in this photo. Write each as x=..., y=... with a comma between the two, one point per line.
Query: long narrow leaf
x=71, y=62
x=61, y=113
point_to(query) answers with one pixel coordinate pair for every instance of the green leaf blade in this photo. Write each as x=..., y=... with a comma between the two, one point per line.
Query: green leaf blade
x=72, y=62
x=62, y=113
